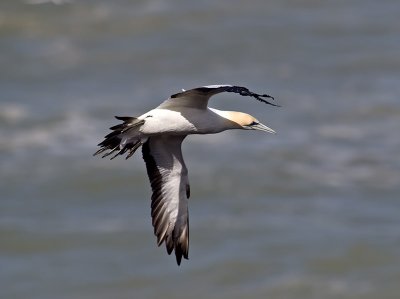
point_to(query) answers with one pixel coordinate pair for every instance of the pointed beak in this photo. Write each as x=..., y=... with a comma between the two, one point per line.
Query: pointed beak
x=264, y=128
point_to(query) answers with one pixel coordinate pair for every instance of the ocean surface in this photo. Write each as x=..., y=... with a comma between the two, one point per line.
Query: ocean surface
x=311, y=212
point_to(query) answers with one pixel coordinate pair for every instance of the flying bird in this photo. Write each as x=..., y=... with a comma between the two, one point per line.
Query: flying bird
x=160, y=132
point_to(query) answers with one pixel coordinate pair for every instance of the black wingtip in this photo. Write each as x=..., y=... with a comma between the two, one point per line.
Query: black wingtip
x=243, y=91
x=267, y=96
x=179, y=254
x=178, y=259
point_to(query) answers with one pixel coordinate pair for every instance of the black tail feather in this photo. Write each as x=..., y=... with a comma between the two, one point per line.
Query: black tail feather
x=133, y=150
x=112, y=141
x=112, y=151
x=100, y=151
x=126, y=118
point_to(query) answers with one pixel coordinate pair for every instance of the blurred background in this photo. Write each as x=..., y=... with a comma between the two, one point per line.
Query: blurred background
x=311, y=212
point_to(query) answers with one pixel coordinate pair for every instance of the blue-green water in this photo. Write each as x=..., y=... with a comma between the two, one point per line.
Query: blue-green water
x=311, y=212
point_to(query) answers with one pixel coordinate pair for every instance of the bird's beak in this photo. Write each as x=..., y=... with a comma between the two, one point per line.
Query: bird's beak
x=261, y=127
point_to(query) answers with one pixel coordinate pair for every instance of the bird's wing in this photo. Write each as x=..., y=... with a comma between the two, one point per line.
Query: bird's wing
x=170, y=185
x=198, y=97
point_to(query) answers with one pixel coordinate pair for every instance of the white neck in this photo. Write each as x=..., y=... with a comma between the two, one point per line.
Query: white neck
x=221, y=113
x=226, y=121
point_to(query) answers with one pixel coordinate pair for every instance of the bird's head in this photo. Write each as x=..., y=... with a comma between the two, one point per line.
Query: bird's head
x=247, y=122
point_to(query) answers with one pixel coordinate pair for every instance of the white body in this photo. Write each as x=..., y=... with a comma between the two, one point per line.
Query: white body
x=184, y=122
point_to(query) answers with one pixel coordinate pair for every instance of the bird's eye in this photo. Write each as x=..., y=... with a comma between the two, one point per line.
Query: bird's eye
x=253, y=123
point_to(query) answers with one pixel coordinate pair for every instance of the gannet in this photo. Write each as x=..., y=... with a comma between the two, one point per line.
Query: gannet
x=160, y=132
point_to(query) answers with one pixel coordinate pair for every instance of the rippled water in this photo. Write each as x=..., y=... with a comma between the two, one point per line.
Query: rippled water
x=312, y=212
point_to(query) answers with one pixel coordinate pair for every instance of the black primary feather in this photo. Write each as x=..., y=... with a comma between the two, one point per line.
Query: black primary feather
x=243, y=91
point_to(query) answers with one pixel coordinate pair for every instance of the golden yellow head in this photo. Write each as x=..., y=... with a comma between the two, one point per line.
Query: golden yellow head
x=247, y=122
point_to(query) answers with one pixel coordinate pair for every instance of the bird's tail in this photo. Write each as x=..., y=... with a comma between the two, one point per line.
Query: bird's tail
x=121, y=140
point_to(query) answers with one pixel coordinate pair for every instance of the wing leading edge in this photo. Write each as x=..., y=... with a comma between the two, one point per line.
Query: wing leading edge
x=198, y=97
